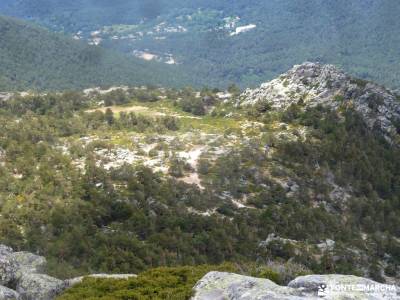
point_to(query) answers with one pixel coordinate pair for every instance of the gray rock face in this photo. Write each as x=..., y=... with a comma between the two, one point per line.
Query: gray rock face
x=228, y=286
x=29, y=262
x=5, y=96
x=8, y=294
x=39, y=287
x=22, y=277
x=4, y=250
x=8, y=270
x=315, y=84
x=220, y=285
x=342, y=286
x=21, y=270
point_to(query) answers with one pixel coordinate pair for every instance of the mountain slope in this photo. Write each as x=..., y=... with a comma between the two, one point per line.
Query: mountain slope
x=361, y=36
x=124, y=180
x=34, y=58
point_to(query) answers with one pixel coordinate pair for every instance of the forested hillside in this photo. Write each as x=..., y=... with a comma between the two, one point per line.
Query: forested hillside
x=128, y=144
x=361, y=36
x=34, y=58
x=129, y=179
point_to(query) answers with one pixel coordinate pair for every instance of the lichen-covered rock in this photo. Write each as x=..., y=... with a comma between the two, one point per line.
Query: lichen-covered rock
x=224, y=286
x=39, y=287
x=228, y=286
x=314, y=84
x=8, y=294
x=24, y=271
x=29, y=262
x=5, y=251
x=14, y=264
x=343, y=286
x=8, y=270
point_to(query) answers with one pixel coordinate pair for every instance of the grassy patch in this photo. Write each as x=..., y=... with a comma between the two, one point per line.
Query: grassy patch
x=210, y=124
x=161, y=283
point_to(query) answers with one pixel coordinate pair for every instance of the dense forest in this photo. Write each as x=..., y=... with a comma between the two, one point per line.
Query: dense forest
x=35, y=58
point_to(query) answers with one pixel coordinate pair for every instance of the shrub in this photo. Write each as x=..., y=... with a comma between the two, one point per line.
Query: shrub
x=390, y=270
x=269, y=274
x=203, y=166
x=177, y=167
x=156, y=284
x=360, y=82
x=339, y=98
x=193, y=105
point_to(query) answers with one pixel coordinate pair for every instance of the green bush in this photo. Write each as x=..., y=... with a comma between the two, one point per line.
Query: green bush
x=161, y=283
x=390, y=270
x=269, y=274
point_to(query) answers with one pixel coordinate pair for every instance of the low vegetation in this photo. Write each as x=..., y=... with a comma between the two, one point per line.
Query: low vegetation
x=156, y=284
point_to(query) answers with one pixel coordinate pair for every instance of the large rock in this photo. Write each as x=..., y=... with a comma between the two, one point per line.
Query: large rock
x=8, y=270
x=29, y=262
x=341, y=286
x=39, y=287
x=14, y=264
x=314, y=84
x=22, y=277
x=228, y=286
x=8, y=294
x=224, y=286
x=21, y=271
x=5, y=251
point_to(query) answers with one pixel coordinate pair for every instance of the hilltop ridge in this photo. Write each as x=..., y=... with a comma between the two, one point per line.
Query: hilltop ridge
x=32, y=57
x=313, y=84
x=359, y=35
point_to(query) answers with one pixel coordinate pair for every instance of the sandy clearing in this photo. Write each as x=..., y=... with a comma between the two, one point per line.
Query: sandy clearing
x=118, y=109
x=140, y=110
x=193, y=155
x=192, y=158
x=193, y=178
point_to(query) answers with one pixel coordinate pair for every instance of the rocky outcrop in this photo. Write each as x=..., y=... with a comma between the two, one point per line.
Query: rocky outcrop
x=344, y=287
x=8, y=270
x=275, y=238
x=228, y=286
x=22, y=277
x=8, y=267
x=32, y=286
x=221, y=286
x=312, y=84
x=5, y=96
x=8, y=294
x=28, y=262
